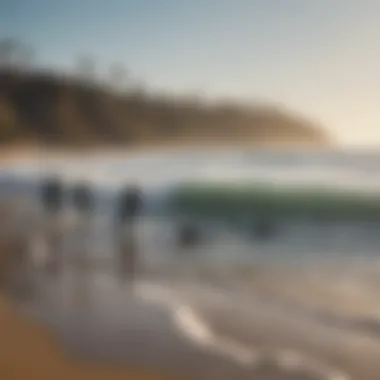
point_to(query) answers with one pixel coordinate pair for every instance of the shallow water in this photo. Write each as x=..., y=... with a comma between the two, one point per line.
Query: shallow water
x=311, y=289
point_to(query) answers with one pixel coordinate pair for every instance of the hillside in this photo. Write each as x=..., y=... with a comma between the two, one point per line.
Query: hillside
x=63, y=110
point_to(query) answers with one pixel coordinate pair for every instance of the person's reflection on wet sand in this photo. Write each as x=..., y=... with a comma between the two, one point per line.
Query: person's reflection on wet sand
x=128, y=207
x=52, y=199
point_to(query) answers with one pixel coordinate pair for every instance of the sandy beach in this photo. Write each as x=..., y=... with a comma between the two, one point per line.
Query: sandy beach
x=199, y=334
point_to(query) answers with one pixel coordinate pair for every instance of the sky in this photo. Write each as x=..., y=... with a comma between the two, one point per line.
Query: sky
x=320, y=58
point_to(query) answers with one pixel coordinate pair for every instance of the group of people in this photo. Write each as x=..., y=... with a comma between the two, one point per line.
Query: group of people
x=128, y=207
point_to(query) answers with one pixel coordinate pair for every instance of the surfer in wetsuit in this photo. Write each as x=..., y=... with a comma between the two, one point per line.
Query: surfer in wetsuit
x=129, y=206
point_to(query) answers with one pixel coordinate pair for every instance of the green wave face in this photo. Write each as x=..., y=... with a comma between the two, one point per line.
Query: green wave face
x=233, y=200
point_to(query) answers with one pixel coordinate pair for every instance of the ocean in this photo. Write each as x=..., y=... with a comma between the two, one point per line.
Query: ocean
x=326, y=276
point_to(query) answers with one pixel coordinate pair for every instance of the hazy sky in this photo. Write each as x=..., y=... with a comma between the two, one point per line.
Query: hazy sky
x=318, y=57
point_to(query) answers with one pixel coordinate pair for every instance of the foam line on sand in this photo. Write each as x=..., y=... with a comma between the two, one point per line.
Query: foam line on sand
x=196, y=329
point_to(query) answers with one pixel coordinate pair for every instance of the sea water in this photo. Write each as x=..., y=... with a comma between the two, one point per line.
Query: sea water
x=325, y=273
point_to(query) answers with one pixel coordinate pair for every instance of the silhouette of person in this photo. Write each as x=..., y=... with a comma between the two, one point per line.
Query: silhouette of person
x=52, y=195
x=129, y=206
x=130, y=203
x=264, y=229
x=83, y=199
x=188, y=234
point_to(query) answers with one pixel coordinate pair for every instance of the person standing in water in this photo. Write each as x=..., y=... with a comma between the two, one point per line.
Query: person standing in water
x=82, y=198
x=129, y=206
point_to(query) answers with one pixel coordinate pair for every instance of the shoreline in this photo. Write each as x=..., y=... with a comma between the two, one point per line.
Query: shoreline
x=22, y=152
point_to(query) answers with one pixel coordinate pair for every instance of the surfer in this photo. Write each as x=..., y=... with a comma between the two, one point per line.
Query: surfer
x=188, y=235
x=82, y=198
x=51, y=196
x=129, y=206
x=264, y=229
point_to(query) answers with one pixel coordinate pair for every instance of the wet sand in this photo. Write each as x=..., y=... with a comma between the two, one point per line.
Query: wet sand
x=198, y=332
x=28, y=351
